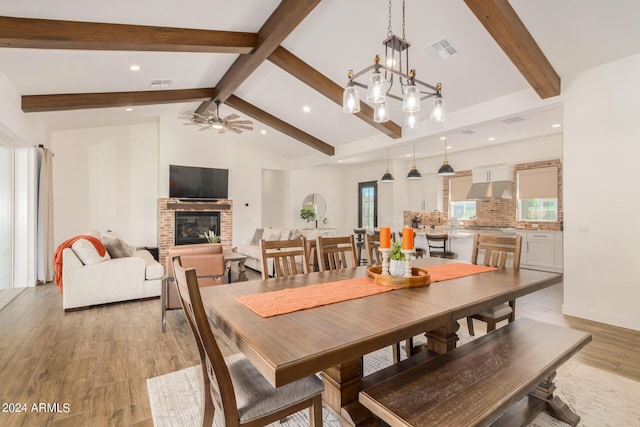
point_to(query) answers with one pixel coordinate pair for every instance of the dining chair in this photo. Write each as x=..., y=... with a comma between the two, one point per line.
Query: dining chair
x=335, y=252
x=438, y=245
x=360, y=235
x=498, y=252
x=289, y=257
x=232, y=384
x=371, y=246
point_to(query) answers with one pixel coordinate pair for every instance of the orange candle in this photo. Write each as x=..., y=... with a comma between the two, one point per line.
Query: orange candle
x=407, y=238
x=385, y=237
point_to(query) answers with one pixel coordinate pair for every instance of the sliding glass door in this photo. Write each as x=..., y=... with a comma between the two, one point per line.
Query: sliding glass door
x=6, y=209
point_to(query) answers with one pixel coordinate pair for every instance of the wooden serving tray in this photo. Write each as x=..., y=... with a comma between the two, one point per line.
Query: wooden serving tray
x=419, y=277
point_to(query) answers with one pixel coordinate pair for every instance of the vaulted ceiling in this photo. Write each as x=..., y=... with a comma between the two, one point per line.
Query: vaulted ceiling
x=267, y=59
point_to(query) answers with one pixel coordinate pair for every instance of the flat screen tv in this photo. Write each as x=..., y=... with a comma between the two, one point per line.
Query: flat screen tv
x=188, y=182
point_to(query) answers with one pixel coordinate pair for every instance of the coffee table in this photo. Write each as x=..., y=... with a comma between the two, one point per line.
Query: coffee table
x=240, y=259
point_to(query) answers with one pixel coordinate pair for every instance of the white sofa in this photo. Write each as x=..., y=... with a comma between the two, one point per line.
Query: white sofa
x=251, y=248
x=106, y=280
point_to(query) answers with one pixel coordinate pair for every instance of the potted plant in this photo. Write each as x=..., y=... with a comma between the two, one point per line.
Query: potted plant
x=307, y=213
x=396, y=260
x=211, y=237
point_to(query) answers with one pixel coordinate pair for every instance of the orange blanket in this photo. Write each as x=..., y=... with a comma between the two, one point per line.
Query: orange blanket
x=57, y=256
x=269, y=304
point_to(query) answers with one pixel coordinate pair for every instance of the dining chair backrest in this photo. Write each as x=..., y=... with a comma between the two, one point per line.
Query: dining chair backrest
x=336, y=252
x=496, y=250
x=372, y=246
x=289, y=257
x=218, y=385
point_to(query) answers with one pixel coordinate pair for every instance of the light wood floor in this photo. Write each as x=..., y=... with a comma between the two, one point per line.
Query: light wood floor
x=98, y=360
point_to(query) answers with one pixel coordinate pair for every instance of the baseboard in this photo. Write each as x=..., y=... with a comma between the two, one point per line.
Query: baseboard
x=601, y=317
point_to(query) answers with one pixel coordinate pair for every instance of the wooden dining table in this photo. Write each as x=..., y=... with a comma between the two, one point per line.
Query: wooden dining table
x=333, y=338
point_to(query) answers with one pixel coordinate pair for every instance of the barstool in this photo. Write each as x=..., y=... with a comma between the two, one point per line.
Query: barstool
x=360, y=232
x=439, y=246
x=420, y=252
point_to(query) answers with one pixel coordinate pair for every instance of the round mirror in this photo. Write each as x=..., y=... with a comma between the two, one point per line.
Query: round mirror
x=317, y=203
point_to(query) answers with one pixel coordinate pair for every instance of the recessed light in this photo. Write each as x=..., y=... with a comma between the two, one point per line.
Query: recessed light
x=492, y=139
x=134, y=67
x=264, y=132
x=449, y=147
x=306, y=109
x=555, y=125
x=408, y=155
x=128, y=109
x=442, y=138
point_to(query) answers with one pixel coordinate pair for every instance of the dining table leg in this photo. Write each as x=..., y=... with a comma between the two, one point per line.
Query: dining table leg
x=444, y=338
x=342, y=384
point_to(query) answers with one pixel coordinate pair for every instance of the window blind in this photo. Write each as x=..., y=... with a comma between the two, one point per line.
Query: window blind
x=540, y=183
x=459, y=188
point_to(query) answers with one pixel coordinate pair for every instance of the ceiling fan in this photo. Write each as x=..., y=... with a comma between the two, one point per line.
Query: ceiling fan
x=214, y=121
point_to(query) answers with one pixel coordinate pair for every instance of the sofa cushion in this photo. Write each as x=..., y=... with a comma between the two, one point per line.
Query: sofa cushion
x=115, y=245
x=153, y=269
x=295, y=234
x=257, y=236
x=272, y=234
x=285, y=234
x=87, y=252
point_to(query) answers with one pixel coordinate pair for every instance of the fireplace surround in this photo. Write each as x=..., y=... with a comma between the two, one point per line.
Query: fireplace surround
x=167, y=209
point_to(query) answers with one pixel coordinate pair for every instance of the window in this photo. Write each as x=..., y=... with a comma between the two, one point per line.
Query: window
x=368, y=205
x=537, y=194
x=459, y=206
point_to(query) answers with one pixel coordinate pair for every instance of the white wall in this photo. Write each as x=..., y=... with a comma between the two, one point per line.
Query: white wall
x=601, y=234
x=274, y=197
x=106, y=178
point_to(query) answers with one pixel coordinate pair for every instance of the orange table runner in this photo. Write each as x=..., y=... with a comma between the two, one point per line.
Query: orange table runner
x=268, y=304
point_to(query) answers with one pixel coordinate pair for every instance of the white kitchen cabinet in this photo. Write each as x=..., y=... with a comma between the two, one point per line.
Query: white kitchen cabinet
x=540, y=250
x=498, y=173
x=425, y=193
x=462, y=246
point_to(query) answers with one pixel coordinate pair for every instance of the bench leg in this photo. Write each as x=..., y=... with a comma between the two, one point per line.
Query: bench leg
x=555, y=406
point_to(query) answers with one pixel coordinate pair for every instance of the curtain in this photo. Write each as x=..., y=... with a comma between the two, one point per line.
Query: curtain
x=44, y=248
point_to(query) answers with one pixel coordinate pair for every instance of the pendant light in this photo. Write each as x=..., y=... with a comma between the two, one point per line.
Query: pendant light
x=413, y=173
x=446, y=169
x=387, y=177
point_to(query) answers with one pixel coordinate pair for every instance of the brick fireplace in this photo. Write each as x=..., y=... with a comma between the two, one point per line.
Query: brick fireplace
x=167, y=208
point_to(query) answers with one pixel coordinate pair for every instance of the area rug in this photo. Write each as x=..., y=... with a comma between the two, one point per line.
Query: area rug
x=600, y=398
x=7, y=295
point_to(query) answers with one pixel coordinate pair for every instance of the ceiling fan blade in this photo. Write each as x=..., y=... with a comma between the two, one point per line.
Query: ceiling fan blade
x=241, y=122
x=233, y=129
x=230, y=117
x=243, y=127
x=221, y=130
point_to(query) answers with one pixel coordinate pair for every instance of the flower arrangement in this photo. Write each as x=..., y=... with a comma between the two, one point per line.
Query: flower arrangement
x=396, y=251
x=211, y=237
x=307, y=213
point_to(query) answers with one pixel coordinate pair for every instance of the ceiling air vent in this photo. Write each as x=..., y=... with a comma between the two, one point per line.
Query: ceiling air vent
x=442, y=49
x=468, y=132
x=513, y=120
x=160, y=84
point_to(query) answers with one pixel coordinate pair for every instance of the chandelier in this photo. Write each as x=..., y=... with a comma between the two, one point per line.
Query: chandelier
x=381, y=81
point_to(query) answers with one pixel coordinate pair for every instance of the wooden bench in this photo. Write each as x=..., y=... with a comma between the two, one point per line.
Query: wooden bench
x=505, y=378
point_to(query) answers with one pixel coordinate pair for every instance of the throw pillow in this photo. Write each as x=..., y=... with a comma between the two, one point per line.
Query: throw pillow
x=285, y=234
x=116, y=247
x=257, y=236
x=87, y=253
x=296, y=234
x=271, y=236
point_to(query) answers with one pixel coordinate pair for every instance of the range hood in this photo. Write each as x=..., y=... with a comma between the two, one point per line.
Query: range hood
x=491, y=190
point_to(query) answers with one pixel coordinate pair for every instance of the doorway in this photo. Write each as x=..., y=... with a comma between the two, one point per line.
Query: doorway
x=368, y=204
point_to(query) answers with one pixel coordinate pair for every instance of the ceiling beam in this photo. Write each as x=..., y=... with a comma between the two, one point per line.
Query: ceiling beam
x=279, y=125
x=278, y=26
x=507, y=29
x=53, y=34
x=327, y=87
x=77, y=101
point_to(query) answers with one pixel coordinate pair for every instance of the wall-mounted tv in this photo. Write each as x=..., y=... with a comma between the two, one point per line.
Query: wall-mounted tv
x=188, y=182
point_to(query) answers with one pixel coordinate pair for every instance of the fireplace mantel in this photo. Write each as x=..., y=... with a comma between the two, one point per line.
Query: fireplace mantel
x=166, y=220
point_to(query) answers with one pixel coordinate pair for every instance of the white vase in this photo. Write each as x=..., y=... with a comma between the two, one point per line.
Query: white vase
x=396, y=268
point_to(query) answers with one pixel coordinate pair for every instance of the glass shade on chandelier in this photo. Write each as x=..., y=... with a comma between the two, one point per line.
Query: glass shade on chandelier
x=376, y=92
x=350, y=100
x=381, y=112
x=411, y=99
x=411, y=120
x=439, y=111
